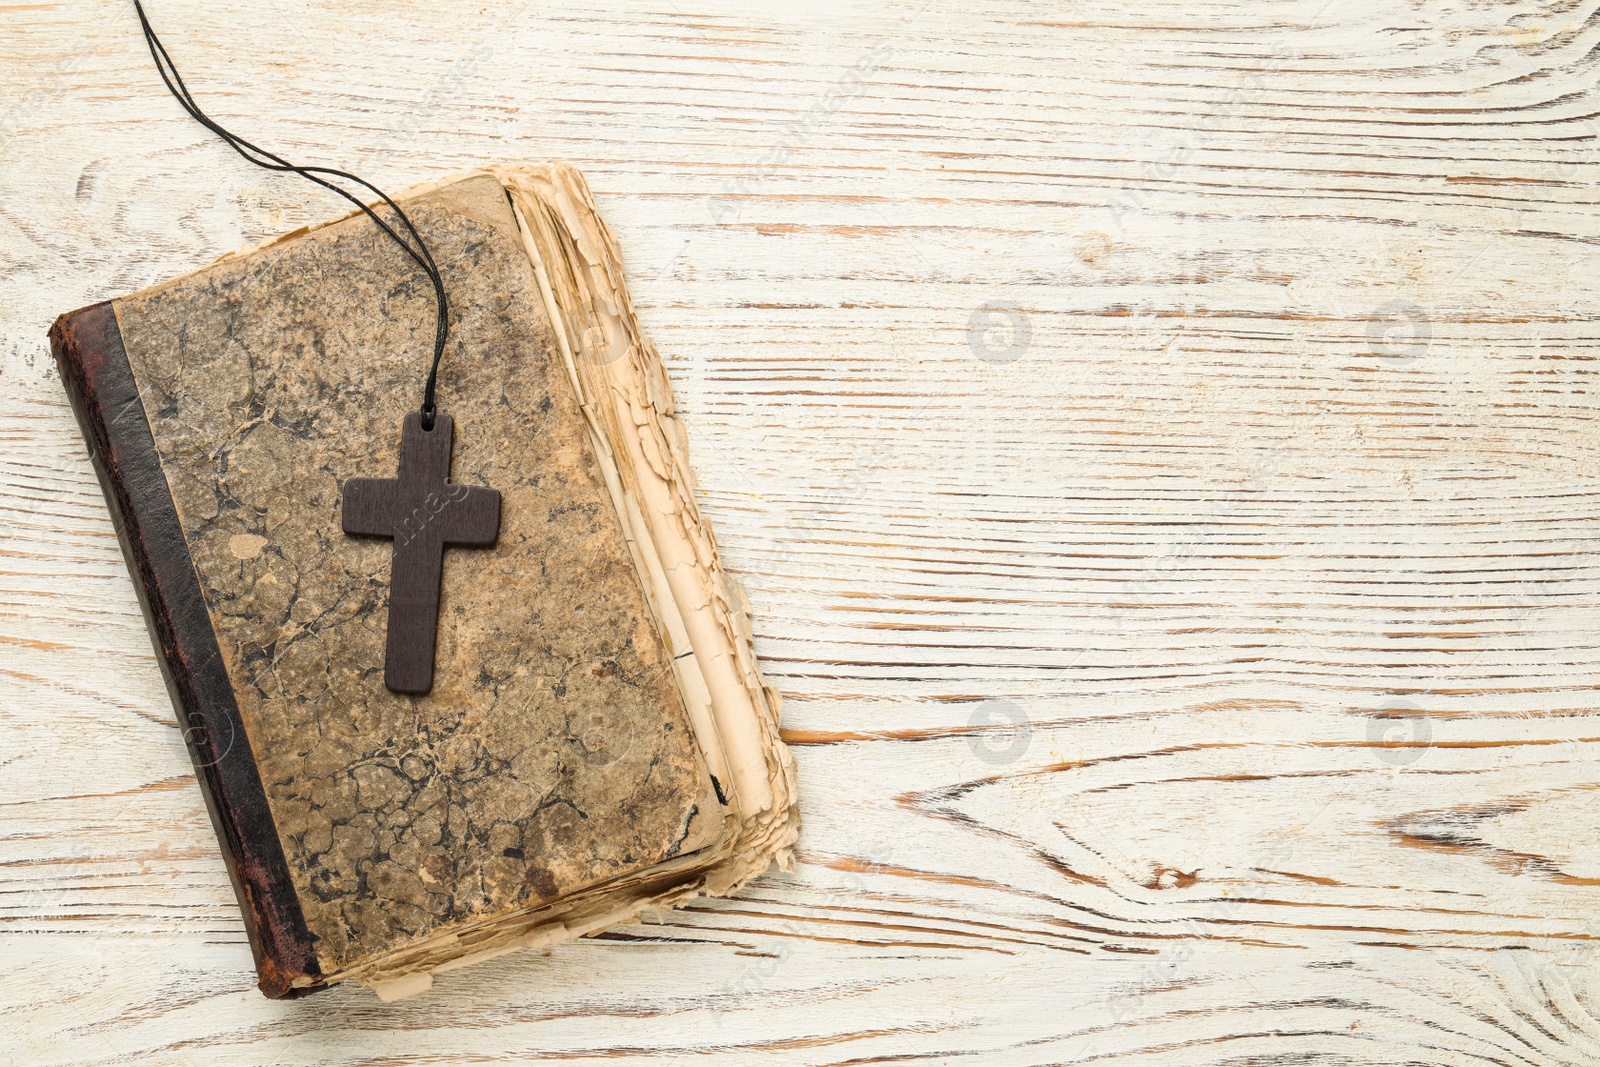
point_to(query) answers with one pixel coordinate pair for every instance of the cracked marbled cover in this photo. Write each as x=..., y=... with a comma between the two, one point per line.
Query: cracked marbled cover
x=554, y=751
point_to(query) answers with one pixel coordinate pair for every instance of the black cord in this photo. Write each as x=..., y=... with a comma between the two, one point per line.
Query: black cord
x=262, y=158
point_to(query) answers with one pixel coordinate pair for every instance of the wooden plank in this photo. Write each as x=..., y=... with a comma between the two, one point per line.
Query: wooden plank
x=1158, y=444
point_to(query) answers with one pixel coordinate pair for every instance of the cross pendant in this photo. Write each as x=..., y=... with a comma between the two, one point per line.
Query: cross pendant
x=423, y=511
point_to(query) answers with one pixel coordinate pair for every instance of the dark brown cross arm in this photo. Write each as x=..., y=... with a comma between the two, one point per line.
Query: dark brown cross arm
x=423, y=511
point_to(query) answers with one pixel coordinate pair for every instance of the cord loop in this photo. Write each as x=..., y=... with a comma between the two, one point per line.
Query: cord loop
x=269, y=161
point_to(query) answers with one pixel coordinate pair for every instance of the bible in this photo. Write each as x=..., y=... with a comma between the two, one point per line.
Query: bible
x=592, y=738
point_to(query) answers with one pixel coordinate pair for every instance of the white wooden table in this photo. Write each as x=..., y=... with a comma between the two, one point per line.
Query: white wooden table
x=1159, y=442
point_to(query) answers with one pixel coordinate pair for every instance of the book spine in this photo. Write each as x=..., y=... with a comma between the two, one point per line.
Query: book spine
x=99, y=382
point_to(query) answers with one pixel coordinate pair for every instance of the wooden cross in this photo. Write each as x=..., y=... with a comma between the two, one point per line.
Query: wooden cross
x=423, y=511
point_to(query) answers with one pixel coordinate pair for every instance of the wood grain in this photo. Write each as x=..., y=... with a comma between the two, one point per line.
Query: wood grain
x=1158, y=442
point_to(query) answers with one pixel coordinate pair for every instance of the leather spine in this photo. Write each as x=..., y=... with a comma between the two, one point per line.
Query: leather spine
x=99, y=382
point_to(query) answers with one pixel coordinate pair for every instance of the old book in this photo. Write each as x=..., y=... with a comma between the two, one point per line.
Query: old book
x=598, y=739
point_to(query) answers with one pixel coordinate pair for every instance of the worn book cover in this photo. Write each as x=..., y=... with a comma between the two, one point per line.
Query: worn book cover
x=598, y=739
